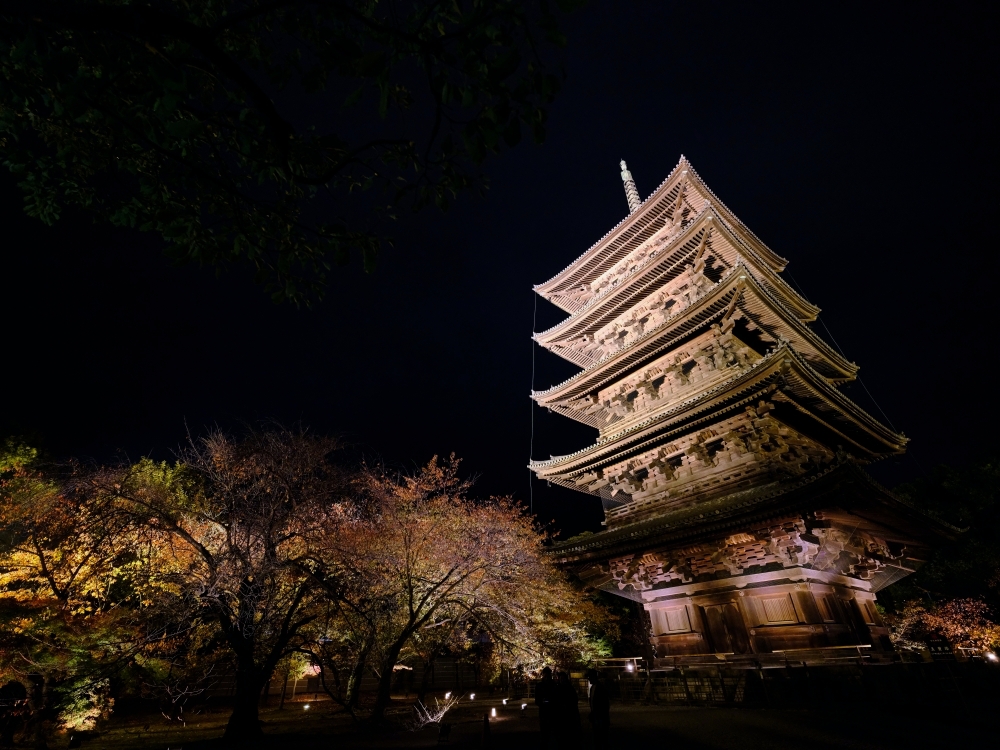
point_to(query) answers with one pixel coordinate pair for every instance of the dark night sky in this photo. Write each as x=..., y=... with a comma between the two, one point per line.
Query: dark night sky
x=858, y=141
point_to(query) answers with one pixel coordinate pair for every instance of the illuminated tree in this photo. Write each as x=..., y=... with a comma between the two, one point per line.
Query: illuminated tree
x=964, y=622
x=445, y=636
x=65, y=602
x=258, y=556
x=961, y=622
x=220, y=124
x=228, y=523
x=422, y=555
x=294, y=666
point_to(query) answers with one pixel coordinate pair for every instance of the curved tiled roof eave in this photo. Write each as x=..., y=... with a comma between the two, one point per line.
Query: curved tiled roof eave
x=690, y=517
x=607, y=451
x=776, y=260
x=645, y=338
x=812, y=310
x=649, y=334
x=809, y=310
x=767, y=360
x=750, y=498
x=847, y=404
x=754, y=495
x=772, y=359
x=782, y=262
x=703, y=301
x=679, y=239
x=814, y=339
x=593, y=249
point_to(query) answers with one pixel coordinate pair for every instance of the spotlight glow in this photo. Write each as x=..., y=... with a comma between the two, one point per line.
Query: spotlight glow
x=447, y=695
x=524, y=706
x=505, y=701
x=991, y=656
x=472, y=696
x=305, y=707
x=493, y=712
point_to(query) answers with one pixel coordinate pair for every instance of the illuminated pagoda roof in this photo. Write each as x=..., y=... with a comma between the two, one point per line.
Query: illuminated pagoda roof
x=728, y=462
x=736, y=296
x=783, y=374
x=846, y=492
x=720, y=515
x=700, y=371
x=678, y=199
x=657, y=267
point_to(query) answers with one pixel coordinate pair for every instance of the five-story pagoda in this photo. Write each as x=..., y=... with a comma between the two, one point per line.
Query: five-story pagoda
x=727, y=459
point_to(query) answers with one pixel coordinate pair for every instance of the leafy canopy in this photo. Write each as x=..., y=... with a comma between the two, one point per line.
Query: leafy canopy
x=221, y=124
x=967, y=496
x=66, y=607
x=956, y=594
x=421, y=566
x=253, y=557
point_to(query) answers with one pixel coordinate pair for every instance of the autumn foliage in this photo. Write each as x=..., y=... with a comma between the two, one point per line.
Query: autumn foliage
x=253, y=558
x=966, y=623
x=418, y=566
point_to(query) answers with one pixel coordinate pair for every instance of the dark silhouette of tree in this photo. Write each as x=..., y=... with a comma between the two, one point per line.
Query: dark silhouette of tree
x=967, y=496
x=955, y=595
x=221, y=124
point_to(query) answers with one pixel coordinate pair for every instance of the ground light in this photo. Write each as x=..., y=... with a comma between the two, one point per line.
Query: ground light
x=505, y=701
x=305, y=707
x=472, y=696
x=991, y=656
x=493, y=712
x=447, y=695
x=524, y=706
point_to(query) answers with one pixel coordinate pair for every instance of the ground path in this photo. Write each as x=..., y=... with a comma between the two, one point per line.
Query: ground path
x=633, y=726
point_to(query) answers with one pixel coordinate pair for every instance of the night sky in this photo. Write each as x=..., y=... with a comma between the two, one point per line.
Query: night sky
x=859, y=141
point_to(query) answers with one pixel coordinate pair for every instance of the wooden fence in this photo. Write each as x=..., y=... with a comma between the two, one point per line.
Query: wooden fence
x=931, y=686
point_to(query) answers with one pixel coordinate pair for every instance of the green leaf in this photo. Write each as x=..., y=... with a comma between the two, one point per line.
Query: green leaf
x=504, y=67
x=372, y=63
x=383, y=101
x=370, y=258
x=354, y=98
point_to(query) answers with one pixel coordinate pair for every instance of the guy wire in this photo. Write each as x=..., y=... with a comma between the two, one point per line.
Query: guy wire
x=858, y=378
x=844, y=355
x=531, y=446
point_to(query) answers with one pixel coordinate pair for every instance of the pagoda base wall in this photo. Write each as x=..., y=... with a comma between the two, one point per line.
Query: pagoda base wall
x=766, y=613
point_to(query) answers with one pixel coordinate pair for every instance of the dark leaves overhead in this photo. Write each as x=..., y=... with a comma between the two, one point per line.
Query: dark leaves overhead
x=222, y=124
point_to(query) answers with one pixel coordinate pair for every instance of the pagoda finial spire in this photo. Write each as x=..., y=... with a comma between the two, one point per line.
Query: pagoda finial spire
x=630, y=192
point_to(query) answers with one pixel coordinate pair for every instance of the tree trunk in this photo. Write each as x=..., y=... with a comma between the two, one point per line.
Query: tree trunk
x=425, y=679
x=244, y=722
x=357, y=673
x=384, y=695
x=284, y=687
x=38, y=705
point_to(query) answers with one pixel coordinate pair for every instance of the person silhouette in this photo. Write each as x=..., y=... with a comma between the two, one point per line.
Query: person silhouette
x=568, y=726
x=545, y=699
x=600, y=710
